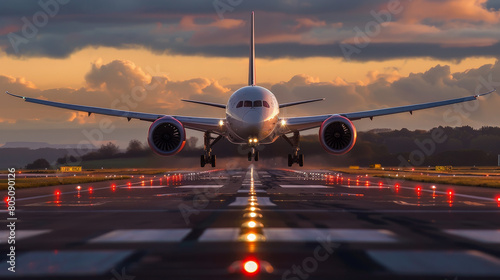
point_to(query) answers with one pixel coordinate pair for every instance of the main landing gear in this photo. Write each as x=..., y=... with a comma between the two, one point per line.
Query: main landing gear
x=207, y=157
x=253, y=154
x=294, y=142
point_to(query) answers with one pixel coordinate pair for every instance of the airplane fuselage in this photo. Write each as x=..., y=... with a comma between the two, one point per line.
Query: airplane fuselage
x=252, y=113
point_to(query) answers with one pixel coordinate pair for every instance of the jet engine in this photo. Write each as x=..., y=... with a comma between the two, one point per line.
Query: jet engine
x=166, y=136
x=337, y=135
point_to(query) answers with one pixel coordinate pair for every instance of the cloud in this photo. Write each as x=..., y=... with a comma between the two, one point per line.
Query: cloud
x=114, y=84
x=445, y=29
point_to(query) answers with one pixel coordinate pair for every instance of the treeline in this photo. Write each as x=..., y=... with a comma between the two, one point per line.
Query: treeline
x=459, y=146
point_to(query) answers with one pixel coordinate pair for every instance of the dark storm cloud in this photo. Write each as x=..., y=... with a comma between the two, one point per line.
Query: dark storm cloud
x=285, y=28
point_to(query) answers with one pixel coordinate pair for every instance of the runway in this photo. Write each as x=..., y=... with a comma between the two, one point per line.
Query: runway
x=294, y=224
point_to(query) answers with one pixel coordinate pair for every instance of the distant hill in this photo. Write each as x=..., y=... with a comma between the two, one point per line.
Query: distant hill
x=41, y=145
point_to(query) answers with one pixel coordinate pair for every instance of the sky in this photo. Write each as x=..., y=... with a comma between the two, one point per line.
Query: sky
x=147, y=55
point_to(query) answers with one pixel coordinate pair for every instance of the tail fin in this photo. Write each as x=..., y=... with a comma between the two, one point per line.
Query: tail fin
x=251, y=68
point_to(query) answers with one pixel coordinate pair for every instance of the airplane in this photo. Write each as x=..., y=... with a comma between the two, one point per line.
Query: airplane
x=252, y=118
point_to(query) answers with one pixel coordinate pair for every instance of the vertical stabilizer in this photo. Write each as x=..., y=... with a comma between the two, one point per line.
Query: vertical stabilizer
x=251, y=62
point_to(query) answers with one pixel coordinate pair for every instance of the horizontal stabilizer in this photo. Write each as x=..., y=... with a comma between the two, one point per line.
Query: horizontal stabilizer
x=300, y=102
x=206, y=103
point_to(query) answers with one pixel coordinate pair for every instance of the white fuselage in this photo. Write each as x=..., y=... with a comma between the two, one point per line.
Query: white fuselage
x=252, y=113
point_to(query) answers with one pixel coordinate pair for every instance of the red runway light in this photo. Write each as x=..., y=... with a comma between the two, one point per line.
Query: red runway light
x=250, y=267
x=419, y=188
x=6, y=199
x=450, y=192
x=91, y=190
x=58, y=193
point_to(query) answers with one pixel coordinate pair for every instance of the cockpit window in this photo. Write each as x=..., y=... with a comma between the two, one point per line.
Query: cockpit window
x=240, y=104
x=247, y=103
x=257, y=103
x=266, y=104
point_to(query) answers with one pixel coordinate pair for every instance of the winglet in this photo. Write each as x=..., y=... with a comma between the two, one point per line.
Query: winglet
x=18, y=96
x=251, y=60
x=486, y=93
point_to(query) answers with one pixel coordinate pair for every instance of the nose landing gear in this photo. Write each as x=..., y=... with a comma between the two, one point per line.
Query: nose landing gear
x=253, y=154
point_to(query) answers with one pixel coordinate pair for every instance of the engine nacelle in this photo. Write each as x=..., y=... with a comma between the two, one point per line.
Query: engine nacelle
x=166, y=136
x=337, y=135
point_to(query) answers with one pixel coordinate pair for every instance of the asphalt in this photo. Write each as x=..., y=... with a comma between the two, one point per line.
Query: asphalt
x=306, y=224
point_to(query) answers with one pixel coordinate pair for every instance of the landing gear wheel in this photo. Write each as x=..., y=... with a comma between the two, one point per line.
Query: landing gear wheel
x=212, y=160
x=301, y=160
x=290, y=160
x=202, y=161
x=249, y=156
x=256, y=156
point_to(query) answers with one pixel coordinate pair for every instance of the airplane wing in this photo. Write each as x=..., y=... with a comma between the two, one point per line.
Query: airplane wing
x=195, y=123
x=303, y=123
x=300, y=102
x=205, y=103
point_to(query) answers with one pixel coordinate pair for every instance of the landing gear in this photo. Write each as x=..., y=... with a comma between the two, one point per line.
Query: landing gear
x=253, y=154
x=208, y=158
x=295, y=157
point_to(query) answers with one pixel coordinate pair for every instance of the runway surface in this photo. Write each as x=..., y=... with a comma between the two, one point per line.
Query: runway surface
x=304, y=224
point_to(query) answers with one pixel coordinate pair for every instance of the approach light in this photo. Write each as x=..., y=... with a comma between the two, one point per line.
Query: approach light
x=251, y=237
x=252, y=224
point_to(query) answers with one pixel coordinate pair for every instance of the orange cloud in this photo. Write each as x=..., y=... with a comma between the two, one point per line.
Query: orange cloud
x=449, y=10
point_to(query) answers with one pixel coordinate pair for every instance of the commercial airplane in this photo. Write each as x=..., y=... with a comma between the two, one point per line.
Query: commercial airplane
x=252, y=118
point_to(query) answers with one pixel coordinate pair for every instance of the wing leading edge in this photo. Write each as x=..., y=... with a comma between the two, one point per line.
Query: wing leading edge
x=195, y=123
x=303, y=123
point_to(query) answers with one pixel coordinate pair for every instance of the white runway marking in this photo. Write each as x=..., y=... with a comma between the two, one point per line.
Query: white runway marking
x=219, y=235
x=335, y=235
x=264, y=201
x=305, y=186
x=51, y=264
x=20, y=234
x=261, y=201
x=481, y=235
x=200, y=187
x=142, y=235
x=445, y=263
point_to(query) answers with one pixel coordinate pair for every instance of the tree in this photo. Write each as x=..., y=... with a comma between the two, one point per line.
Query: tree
x=40, y=163
x=108, y=150
x=135, y=148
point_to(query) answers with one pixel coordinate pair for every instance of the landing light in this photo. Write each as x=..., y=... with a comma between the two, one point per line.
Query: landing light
x=283, y=122
x=221, y=122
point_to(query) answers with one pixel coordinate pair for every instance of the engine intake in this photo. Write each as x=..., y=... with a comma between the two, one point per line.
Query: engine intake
x=166, y=136
x=337, y=135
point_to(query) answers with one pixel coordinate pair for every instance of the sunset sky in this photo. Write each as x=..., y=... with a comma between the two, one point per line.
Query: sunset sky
x=359, y=55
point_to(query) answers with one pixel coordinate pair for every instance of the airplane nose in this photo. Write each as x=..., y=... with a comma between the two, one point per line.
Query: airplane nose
x=254, y=123
x=253, y=117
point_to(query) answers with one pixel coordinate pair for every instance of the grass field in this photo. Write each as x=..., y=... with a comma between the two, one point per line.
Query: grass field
x=465, y=176
x=54, y=181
